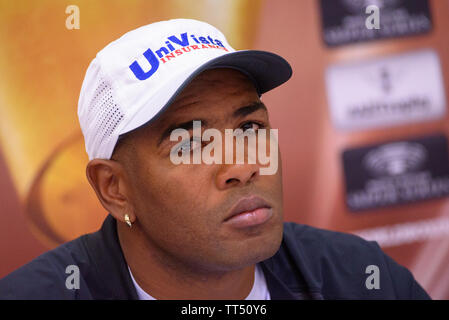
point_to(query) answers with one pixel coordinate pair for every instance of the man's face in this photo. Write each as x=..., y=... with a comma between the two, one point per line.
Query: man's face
x=184, y=209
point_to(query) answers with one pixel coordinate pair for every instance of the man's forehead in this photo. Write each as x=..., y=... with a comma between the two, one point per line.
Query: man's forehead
x=204, y=98
x=221, y=74
x=213, y=85
x=208, y=120
x=209, y=113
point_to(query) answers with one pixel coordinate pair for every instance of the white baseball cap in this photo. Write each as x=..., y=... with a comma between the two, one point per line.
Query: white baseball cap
x=137, y=76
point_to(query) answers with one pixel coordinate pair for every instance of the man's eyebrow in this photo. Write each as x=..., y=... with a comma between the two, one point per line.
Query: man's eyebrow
x=188, y=125
x=246, y=110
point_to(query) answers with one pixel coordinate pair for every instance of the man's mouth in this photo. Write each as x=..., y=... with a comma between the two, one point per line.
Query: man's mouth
x=248, y=212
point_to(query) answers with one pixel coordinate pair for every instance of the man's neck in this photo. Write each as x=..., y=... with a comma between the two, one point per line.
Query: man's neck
x=175, y=280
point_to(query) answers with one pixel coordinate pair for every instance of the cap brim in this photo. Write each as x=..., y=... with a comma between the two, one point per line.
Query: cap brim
x=267, y=71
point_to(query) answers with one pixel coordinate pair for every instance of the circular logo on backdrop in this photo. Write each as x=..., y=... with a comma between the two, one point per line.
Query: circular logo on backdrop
x=395, y=158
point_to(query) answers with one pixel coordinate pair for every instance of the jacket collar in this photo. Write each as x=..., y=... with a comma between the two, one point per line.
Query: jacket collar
x=285, y=280
x=112, y=280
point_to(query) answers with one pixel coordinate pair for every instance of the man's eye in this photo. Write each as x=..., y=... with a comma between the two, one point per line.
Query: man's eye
x=188, y=146
x=251, y=125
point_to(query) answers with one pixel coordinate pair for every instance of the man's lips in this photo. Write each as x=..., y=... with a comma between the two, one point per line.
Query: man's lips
x=249, y=211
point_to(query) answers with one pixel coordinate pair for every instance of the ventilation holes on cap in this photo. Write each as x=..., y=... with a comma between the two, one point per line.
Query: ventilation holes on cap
x=104, y=113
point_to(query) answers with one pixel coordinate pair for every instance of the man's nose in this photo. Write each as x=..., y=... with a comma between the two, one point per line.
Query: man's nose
x=231, y=175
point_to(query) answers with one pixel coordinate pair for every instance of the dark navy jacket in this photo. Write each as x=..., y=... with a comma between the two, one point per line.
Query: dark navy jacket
x=310, y=264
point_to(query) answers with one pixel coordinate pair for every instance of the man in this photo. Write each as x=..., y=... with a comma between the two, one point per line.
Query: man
x=186, y=229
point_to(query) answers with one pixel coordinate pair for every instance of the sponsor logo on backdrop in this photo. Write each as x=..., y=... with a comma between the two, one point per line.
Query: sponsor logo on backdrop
x=406, y=232
x=389, y=91
x=344, y=21
x=396, y=172
x=395, y=158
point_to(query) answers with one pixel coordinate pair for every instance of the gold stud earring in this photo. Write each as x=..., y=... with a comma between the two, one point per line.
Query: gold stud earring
x=128, y=222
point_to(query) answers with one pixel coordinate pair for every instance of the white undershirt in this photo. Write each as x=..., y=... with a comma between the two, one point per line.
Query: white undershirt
x=258, y=292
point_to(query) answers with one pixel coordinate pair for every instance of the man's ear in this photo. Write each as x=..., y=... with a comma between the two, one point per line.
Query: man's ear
x=109, y=180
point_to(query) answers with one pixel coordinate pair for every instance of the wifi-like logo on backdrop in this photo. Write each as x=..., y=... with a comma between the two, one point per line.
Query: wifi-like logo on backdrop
x=395, y=159
x=396, y=172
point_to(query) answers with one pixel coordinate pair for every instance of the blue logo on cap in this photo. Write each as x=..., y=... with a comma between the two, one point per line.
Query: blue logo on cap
x=168, y=52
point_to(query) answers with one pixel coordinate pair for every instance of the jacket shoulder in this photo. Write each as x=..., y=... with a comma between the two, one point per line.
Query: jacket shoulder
x=344, y=266
x=45, y=276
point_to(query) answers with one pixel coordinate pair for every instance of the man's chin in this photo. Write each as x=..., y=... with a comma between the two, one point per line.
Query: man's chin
x=255, y=247
x=265, y=246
